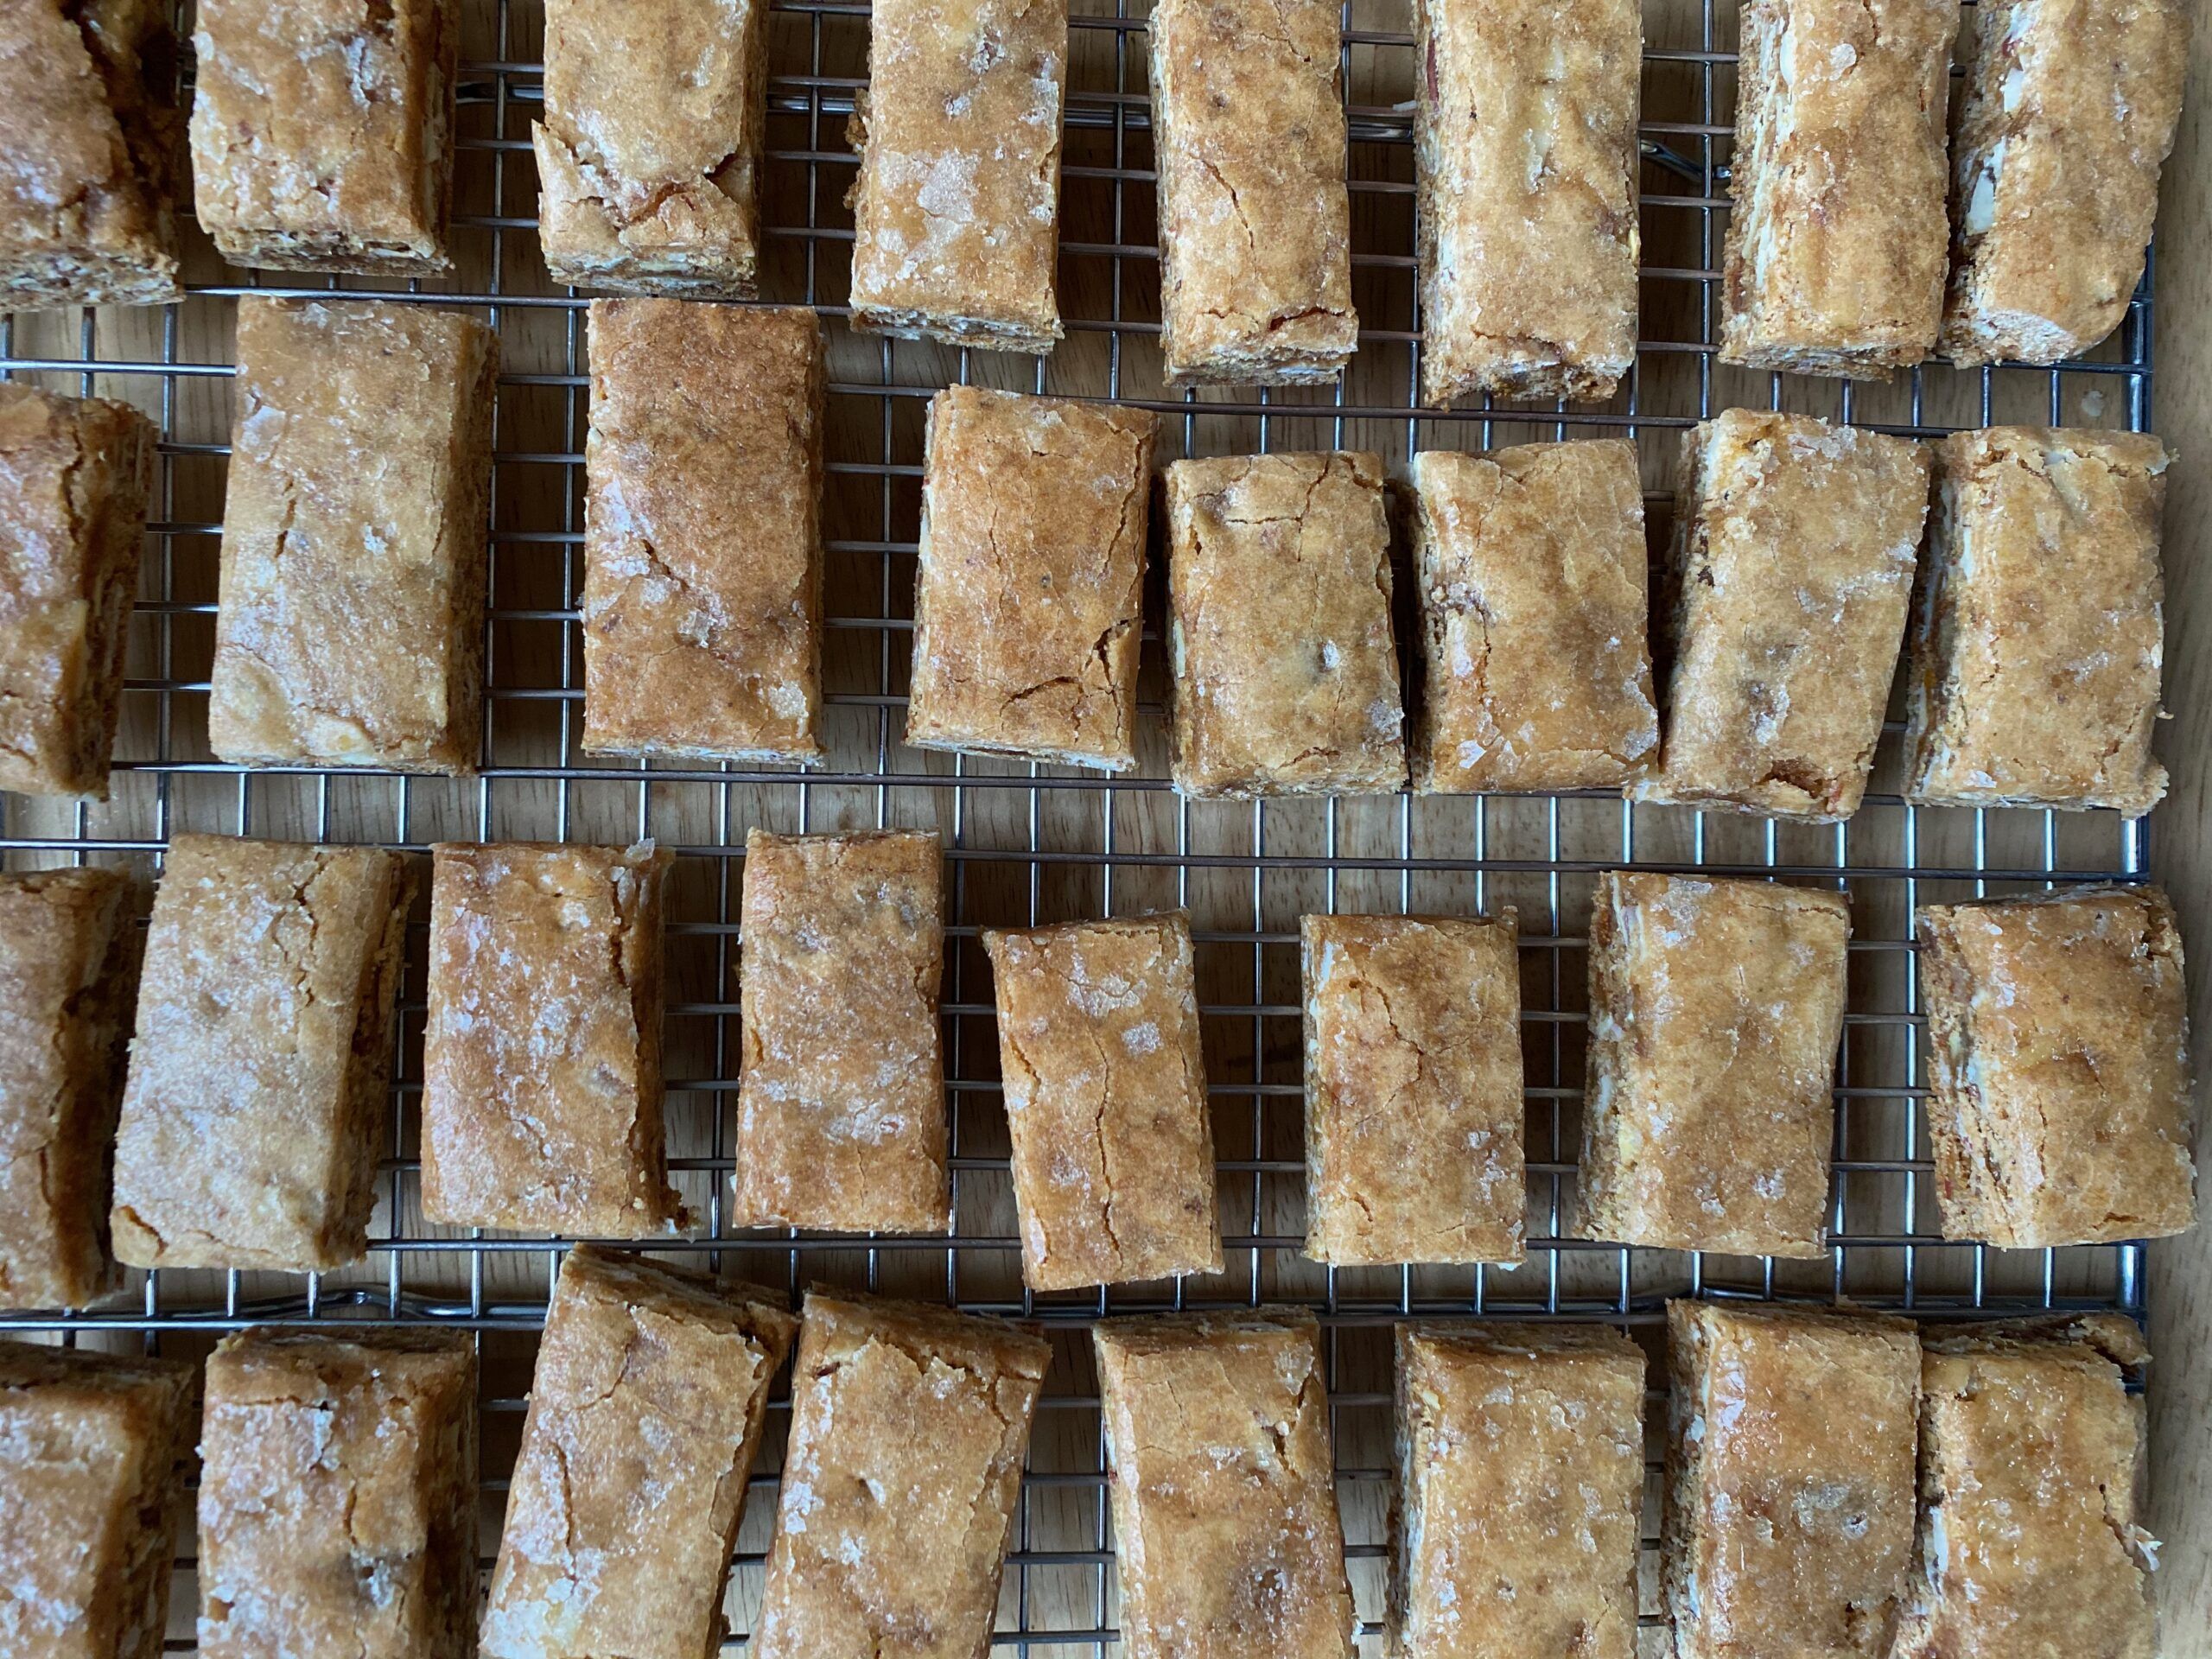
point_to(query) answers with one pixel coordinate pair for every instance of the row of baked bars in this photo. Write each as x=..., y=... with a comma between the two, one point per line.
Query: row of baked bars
x=257, y=1095
x=349, y=630
x=1836, y=1483
x=326, y=145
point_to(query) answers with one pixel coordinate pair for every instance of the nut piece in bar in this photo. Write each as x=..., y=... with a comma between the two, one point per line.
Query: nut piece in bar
x=75, y=475
x=1534, y=611
x=644, y=1414
x=1788, y=1524
x=1106, y=1101
x=1248, y=123
x=1223, y=1489
x=1286, y=681
x=1834, y=257
x=260, y=1088
x=69, y=966
x=1715, y=1010
x=1792, y=577
x=841, y=1120
x=322, y=133
x=91, y=148
x=93, y=1455
x=351, y=628
x=2069, y=113
x=957, y=209
x=2038, y=629
x=338, y=1495
x=1030, y=600
x=1521, y=1484
x=1413, y=1090
x=649, y=155
x=703, y=531
x=542, y=1079
x=908, y=1428
x=2032, y=1476
x=1529, y=244
x=2058, y=1061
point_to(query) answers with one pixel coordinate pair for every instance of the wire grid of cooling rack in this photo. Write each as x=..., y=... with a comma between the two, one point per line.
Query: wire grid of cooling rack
x=1028, y=844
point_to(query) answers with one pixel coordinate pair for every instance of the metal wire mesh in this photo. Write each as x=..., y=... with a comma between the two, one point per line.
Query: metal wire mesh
x=1033, y=844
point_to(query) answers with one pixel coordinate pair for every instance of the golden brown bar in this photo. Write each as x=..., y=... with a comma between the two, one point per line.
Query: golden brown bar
x=1789, y=1518
x=1030, y=600
x=1106, y=1101
x=1497, y=1425
x=2032, y=1468
x=74, y=474
x=1715, y=1010
x=1834, y=260
x=92, y=1455
x=90, y=144
x=644, y=1414
x=338, y=1495
x=542, y=1052
x=956, y=208
x=351, y=628
x=259, y=1096
x=1533, y=608
x=649, y=155
x=68, y=969
x=2038, y=629
x=1248, y=129
x=703, y=580
x=2058, y=1059
x=322, y=133
x=1224, y=1496
x=1413, y=1090
x=2068, y=113
x=1795, y=541
x=931, y=1410
x=840, y=1117
x=1286, y=681
x=1525, y=146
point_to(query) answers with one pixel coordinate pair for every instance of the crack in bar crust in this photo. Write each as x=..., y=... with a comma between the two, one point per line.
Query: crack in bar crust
x=1413, y=1090
x=1535, y=606
x=1106, y=1104
x=322, y=133
x=89, y=148
x=1029, y=605
x=649, y=157
x=645, y=1412
x=1834, y=257
x=900, y=1485
x=74, y=478
x=1529, y=246
x=703, y=531
x=840, y=1117
x=1279, y=589
x=1788, y=1522
x=338, y=1495
x=2058, y=1058
x=956, y=216
x=542, y=1046
x=350, y=631
x=1791, y=571
x=1223, y=1486
x=1520, y=1461
x=1254, y=217
x=2068, y=113
x=2039, y=627
x=1715, y=1010
x=259, y=1092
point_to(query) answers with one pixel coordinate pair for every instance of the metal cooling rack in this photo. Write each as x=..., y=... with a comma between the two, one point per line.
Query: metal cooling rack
x=1030, y=844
